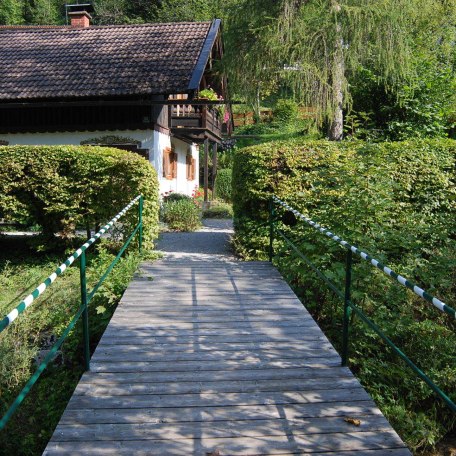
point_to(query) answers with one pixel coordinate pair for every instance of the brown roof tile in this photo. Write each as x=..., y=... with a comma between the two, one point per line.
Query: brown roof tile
x=43, y=63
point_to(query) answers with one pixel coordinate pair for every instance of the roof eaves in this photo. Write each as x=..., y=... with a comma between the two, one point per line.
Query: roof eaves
x=203, y=58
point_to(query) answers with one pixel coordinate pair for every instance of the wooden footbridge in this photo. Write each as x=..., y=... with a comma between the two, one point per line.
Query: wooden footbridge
x=212, y=357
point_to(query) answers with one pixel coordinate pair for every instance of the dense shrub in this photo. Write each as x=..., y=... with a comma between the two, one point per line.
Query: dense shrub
x=285, y=111
x=64, y=187
x=223, y=184
x=396, y=201
x=175, y=197
x=182, y=215
x=218, y=209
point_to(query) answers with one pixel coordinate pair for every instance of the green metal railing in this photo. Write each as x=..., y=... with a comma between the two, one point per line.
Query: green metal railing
x=85, y=300
x=290, y=218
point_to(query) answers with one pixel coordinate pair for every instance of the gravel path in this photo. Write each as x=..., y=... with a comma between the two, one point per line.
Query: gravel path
x=211, y=241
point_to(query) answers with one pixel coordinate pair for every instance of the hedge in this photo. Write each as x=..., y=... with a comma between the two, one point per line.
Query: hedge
x=223, y=184
x=397, y=201
x=62, y=188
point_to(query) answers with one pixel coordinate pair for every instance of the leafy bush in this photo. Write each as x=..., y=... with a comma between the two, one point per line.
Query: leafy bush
x=181, y=215
x=175, y=197
x=394, y=200
x=63, y=187
x=286, y=111
x=218, y=209
x=223, y=184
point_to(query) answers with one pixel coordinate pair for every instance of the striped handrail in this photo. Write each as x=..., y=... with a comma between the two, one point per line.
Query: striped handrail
x=402, y=280
x=85, y=299
x=39, y=290
x=346, y=294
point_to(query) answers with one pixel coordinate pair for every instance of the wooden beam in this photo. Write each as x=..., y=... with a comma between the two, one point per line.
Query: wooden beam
x=54, y=104
x=214, y=168
x=206, y=169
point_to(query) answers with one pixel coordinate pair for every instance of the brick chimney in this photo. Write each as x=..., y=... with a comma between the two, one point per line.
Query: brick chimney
x=80, y=19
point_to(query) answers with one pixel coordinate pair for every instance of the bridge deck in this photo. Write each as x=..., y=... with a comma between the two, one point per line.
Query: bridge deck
x=205, y=356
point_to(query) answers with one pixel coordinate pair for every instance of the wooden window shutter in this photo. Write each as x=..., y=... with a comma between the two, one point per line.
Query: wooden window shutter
x=173, y=156
x=167, y=167
x=189, y=167
x=193, y=169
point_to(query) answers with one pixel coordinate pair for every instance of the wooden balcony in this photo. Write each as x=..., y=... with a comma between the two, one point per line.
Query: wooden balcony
x=196, y=122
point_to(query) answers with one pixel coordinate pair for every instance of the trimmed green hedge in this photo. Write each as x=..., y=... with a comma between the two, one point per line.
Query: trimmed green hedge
x=64, y=187
x=397, y=201
x=223, y=184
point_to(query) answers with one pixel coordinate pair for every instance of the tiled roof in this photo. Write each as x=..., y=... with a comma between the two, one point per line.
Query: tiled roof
x=50, y=63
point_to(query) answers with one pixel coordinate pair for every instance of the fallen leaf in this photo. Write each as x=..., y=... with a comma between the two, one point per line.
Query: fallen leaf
x=353, y=421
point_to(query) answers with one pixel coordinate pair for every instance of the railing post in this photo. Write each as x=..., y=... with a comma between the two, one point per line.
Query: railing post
x=271, y=229
x=140, y=213
x=85, y=313
x=347, y=308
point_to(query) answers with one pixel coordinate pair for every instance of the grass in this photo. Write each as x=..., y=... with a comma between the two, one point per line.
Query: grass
x=21, y=270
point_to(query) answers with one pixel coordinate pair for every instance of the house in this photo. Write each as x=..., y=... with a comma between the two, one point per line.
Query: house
x=131, y=86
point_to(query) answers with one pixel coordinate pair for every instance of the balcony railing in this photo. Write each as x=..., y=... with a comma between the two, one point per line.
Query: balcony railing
x=196, y=118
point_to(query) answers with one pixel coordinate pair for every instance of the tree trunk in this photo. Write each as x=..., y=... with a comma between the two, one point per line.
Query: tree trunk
x=336, y=127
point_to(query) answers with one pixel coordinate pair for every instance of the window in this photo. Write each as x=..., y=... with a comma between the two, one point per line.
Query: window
x=169, y=163
x=191, y=165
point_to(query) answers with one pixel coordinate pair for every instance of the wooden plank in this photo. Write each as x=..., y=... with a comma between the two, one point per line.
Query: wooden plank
x=216, y=413
x=217, y=400
x=119, y=388
x=240, y=445
x=225, y=347
x=219, y=429
x=208, y=375
x=192, y=331
x=204, y=326
x=181, y=339
x=151, y=355
x=252, y=362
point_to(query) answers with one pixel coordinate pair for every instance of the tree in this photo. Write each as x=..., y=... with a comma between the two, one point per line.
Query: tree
x=10, y=12
x=316, y=45
x=42, y=12
x=191, y=10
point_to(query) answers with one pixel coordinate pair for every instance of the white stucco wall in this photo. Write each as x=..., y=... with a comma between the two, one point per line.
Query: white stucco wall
x=153, y=140
x=145, y=136
x=180, y=184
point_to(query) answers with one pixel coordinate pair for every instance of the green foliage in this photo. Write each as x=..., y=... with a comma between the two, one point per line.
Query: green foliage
x=286, y=110
x=218, y=209
x=181, y=215
x=10, y=12
x=173, y=196
x=223, y=184
x=396, y=201
x=42, y=12
x=63, y=187
x=21, y=270
x=209, y=93
x=191, y=10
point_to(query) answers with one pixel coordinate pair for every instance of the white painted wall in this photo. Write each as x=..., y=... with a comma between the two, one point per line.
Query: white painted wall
x=181, y=148
x=75, y=137
x=153, y=140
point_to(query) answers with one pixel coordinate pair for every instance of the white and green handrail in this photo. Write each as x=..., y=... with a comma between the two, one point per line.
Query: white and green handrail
x=345, y=295
x=85, y=299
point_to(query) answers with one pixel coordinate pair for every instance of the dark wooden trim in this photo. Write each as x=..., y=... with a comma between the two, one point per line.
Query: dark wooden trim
x=54, y=104
x=214, y=168
x=74, y=128
x=206, y=169
x=204, y=55
x=160, y=129
x=196, y=135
